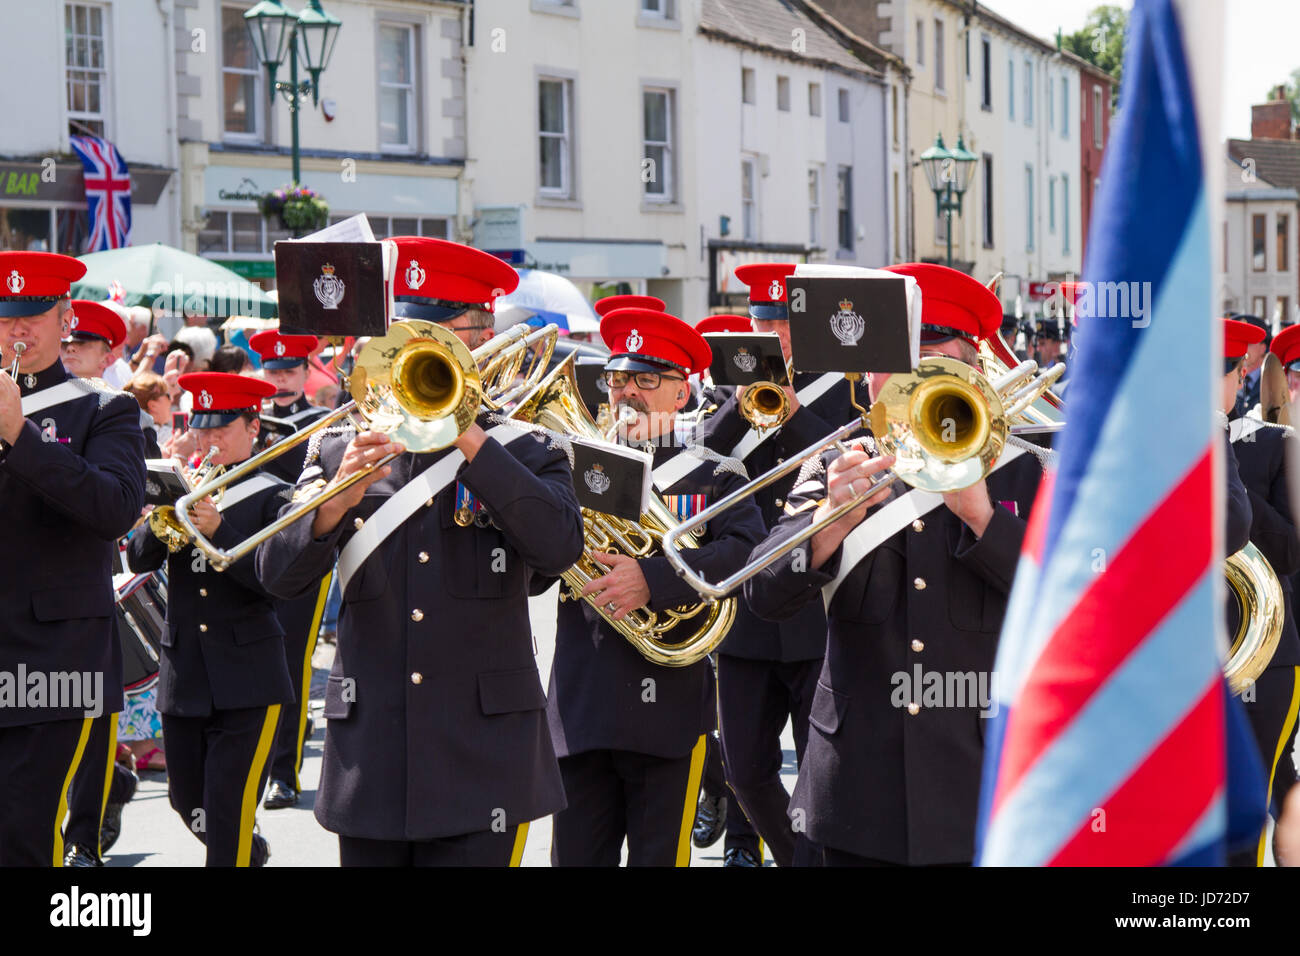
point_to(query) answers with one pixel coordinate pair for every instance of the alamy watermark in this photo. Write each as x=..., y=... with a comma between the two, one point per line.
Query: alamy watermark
x=1102, y=300
x=920, y=689
x=52, y=690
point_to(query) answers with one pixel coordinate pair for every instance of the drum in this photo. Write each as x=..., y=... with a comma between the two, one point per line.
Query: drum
x=141, y=617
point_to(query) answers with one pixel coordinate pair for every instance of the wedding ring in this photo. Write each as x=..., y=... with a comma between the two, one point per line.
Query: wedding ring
x=853, y=492
x=610, y=607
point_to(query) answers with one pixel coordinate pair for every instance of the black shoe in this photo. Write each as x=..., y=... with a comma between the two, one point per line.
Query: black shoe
x=78, y=855
x=710, y=820
x=111, y=828
x=261, y=851
x=740, y=856
x=280, y=795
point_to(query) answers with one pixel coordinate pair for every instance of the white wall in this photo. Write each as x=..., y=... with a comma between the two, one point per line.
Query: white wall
x=1238, y=286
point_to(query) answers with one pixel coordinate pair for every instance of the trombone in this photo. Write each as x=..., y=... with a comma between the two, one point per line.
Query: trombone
x=419, y=385
x=945, y=423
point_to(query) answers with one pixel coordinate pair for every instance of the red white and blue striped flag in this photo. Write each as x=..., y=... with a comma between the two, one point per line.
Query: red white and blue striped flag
x=1110, y=742
x=108, y=193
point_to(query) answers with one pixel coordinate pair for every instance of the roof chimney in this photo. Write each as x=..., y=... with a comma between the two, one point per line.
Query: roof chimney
x=1272, y=120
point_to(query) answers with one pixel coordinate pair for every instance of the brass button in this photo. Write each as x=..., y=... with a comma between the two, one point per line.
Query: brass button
x=203, y=592
x=423, y=557
x=203, y=629
x=417, y=678
x=919, y=584
x=918, y=646
x=780, y=461
x=417, y=615
x=918, y=525
x=780, y=502
x=429, y=503
x=914, y=708
x=357, y=523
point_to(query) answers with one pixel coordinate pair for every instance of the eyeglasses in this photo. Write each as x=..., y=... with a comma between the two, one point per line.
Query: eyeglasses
x=646, y=381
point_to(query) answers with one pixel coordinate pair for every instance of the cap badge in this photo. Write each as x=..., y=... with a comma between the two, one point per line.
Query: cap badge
x=29, y=380
x=205, y=398
x=774, y=291
x=328, y=287
x=15, y=282
x=847, y=325
x=596, y=479
x=634, y=341
x=279, y=348
x=745, y=360
x=414, y=275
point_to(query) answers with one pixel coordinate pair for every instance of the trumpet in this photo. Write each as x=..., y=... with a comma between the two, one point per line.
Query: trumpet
x=945, y=423
x=420, y=386
x=164, y=524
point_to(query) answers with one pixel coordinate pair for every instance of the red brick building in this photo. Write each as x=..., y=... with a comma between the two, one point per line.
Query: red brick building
x=1094, y=120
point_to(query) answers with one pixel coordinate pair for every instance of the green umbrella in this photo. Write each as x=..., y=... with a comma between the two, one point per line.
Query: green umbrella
x=167, y=280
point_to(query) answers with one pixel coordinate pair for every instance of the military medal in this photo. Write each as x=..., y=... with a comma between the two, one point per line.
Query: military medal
x=466, y=505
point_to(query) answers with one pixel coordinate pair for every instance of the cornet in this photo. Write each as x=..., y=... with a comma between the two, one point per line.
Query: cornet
x=19, y=349
x=164, y=524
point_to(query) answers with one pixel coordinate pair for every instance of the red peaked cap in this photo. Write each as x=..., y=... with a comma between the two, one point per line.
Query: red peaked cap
x=766, y=281
x=438, y=280
x=952, y=303
x=645, y=340
x=219, y=397
x=94, y=320
x=282, y=351
x=724, y=323
x=1238, y=336
x=31, y=282
x=611, y=302
x=1286, y=345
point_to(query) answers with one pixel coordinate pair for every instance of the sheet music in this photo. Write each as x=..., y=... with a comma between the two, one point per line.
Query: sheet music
x=353, y=229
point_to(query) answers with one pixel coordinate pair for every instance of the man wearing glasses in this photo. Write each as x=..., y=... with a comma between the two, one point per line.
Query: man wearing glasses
x=630, y=733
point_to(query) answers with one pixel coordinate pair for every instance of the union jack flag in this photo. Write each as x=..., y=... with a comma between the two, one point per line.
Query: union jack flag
x=108, y=193
x=1115, y=741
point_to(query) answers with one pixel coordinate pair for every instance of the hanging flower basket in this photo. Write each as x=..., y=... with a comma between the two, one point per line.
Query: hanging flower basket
x=298, y=208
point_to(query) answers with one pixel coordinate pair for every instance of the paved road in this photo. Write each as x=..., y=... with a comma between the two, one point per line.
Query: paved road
x=153, y=835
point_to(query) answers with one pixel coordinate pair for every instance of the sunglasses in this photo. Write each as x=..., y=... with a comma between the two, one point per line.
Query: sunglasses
x=646, y=381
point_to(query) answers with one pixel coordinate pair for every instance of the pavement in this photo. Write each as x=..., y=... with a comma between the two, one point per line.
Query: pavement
x=153, y=834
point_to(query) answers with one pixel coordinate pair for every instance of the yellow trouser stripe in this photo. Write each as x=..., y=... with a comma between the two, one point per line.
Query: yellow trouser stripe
x=1277, y=755
x=249, y=809
x=692, y=798
x=304, y=684
x=63, y=792
x=108, y=777
x=521, y=837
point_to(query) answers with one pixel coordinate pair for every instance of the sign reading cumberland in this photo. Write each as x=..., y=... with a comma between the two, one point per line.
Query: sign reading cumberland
x=49, y=181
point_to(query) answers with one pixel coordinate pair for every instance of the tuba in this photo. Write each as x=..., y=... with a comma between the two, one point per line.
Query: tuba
x=1254, y=585
x=674, y=638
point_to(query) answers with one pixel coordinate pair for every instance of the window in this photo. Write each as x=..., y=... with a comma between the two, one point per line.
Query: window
x=555, y=137
x=397, y=87
x=748, y=89
x=1065, y=107
x=1259, y=255
x=844, y=206
x=1051, y=105
x=987, y=166
x=897, y=253
x=748, y=203
x=1011, y=88
x=920, y=43
x=1283, y=237
x=657, y=106
x=939, y=78
x=893, y=113
x=814, y=205
x=814, y=99
x=1029, y=208
x=241, y=78
x=1096, y=116
x=843, y=98
x=986, y=53
x=1029, y=92
x=658, y=8
x=783, y=93
x=1065, y=215
x=1259, y=306
x=231, y=232
x=966, y=35
x=1051, y=205
x=1284, y=310
x=87, y=76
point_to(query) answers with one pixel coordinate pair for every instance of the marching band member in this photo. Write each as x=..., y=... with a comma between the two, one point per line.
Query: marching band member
x=1261, y=454
x=884, y=779
x=767, y=671
x=222, y=677
x=284, y=360
x=72, y=479
x=436, y=750
x=629, y=733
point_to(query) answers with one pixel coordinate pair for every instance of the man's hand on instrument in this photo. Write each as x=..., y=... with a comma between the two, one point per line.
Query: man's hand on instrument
x=11, y=408
x=471, y=441
x=623, y=589
x=972, y=506
x=849, y=476
x=206, y=517
x=361, y=455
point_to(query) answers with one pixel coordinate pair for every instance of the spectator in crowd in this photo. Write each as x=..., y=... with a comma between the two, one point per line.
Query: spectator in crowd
x=150, y=390
x=202, y=344
x=232, y=359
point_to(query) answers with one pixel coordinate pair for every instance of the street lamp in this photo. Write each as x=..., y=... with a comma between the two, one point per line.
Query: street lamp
x=949, y=172
x=275, y=30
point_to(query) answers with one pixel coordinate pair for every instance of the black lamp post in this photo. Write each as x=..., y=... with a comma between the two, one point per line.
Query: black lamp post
x=275, y=30
x=949, y=172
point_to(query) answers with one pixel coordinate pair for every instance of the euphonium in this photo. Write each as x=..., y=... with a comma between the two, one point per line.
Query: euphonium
x=673, y=638
x=1254, y=584
x=163, y=522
